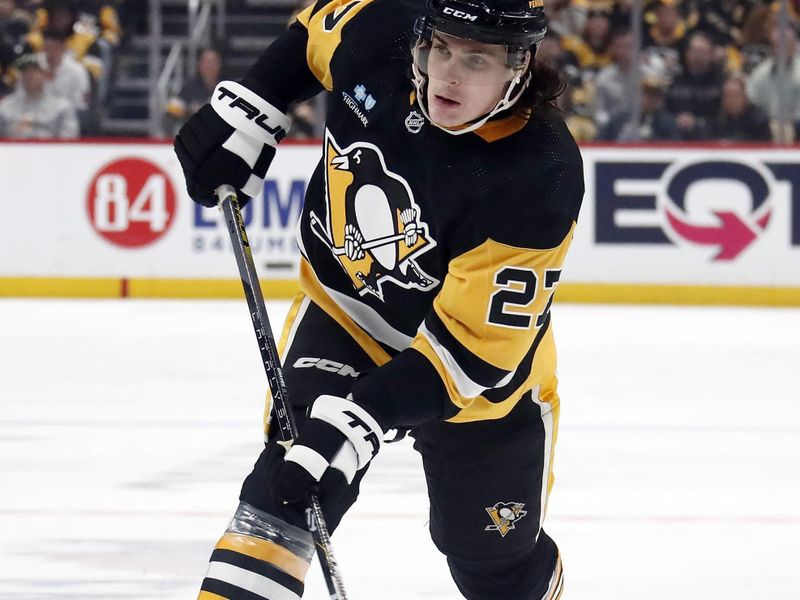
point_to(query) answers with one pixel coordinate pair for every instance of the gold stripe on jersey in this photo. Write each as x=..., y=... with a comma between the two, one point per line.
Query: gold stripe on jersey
x=204, y=595
x=311, y=286
x=464, y=302
x=492, y=131
x=481, y=409
x=325, y=34
x=269, y=552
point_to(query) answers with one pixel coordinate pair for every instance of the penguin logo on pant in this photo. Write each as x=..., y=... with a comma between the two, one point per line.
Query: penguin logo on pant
x=373, y=226
x=504, y=516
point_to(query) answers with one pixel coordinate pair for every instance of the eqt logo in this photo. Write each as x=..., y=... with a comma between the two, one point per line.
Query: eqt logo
x=131, y=202
x=723, y=205
x=732, y=205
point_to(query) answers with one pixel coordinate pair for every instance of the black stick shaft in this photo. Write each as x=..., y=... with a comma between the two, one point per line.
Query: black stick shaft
x=272, y=366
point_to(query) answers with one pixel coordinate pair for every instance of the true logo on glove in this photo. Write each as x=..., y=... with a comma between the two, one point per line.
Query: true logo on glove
x=252, y=113
x=370, y=437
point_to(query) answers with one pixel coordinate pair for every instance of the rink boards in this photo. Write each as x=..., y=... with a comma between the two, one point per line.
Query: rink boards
x=666, y=224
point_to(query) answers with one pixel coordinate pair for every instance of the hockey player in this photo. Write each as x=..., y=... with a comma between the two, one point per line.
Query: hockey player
x=433, y=236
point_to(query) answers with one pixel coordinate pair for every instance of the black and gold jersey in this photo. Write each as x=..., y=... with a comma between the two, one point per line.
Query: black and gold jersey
x=439, y=254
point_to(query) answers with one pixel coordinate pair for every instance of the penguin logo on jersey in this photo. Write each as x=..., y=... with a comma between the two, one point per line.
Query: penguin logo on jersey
x=504, y=516
x=373, y=226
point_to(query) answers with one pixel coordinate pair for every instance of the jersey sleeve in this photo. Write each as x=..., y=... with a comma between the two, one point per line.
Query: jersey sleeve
x=297, y=65
x=485, y=319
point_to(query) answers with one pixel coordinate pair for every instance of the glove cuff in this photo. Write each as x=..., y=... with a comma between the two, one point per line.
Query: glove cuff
x=248, y=113
x=353, y=421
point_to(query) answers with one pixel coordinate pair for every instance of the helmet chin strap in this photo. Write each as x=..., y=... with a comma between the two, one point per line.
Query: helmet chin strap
x=503, y=104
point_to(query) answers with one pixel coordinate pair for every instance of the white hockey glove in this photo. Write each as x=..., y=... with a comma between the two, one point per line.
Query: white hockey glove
x=352, y=242
x=229, y=141
x=339, y=434
x=410, y=228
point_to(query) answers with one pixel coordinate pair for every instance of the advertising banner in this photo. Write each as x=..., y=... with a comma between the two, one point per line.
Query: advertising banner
x=657, y=224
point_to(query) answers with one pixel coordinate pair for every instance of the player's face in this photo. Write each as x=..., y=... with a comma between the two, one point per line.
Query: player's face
x=466, y=79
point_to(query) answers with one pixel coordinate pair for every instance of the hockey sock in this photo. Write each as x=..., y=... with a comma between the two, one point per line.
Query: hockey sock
x=260, y=557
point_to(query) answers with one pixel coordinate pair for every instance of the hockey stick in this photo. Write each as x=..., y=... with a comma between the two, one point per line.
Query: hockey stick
x=316, y=226
x=229, y=205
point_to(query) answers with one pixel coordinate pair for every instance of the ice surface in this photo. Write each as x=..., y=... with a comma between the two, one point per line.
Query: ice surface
x=126, y=428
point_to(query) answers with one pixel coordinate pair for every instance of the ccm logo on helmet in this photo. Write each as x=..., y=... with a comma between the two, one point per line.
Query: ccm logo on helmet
x=252, y=113
x=460, y=14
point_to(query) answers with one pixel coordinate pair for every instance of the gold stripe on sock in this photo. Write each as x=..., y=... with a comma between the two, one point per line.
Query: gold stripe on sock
x=269, y=552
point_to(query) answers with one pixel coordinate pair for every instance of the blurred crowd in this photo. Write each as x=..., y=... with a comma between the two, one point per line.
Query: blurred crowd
x=705, y=70
x=55, y=62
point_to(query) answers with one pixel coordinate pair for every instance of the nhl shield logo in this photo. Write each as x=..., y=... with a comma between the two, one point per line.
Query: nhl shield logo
x=414, y=122
x=504, y=516
x=373, y=226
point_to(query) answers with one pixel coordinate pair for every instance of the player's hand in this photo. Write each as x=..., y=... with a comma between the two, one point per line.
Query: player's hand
x=231, y=141
x=410, y=229
x=352, y=242
x=340, y=435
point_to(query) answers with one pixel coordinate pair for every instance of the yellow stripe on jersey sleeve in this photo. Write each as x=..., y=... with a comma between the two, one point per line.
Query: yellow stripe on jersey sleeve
x=325, y=34
x=482, y=290
x=542, y=382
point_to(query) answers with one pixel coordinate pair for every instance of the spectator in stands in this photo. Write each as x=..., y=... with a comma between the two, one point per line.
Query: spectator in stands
x=105, y=17
x=666, y=35
x=565, y=18
x=756, y=32
x=67, y=77
x=620, y=16
x=764, y=87
x=195, y=93
x=589, y=51
x=576, y=105
x=15, y=23
x=83, y=41
x=740, y=120
x=613, y=84
x=7, y=58
x=655, y=124
x=722, y=20
x=32, y=111
x=694, y=95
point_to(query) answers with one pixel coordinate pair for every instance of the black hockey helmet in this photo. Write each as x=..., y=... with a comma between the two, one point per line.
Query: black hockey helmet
x=518, y=24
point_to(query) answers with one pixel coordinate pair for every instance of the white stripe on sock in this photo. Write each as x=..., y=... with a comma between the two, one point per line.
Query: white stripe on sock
x=252, y=582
